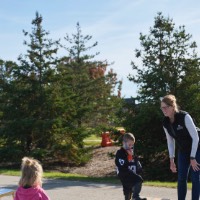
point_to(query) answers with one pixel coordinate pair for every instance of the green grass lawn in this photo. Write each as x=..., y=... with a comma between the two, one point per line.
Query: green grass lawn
x=94, y=137
x=77, y=177
x=93, y=140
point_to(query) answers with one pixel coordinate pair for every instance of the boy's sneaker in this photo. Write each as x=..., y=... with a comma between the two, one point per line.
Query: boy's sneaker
x=139, y=198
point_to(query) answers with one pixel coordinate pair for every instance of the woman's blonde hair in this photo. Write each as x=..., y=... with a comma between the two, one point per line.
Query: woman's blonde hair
x=170, y=100
x=32, y=172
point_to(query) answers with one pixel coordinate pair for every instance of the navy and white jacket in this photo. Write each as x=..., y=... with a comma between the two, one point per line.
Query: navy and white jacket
x=127, y=170
x=185, y=134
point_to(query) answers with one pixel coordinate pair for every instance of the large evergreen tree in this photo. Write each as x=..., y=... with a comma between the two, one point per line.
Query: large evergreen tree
x=169, y=64
x=29, y=117
x=167, y=56
x=96, y=103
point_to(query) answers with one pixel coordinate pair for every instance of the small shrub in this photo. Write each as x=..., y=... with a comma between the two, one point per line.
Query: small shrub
x=11, y=154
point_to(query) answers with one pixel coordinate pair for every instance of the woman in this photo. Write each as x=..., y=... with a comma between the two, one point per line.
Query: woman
x=179, y=126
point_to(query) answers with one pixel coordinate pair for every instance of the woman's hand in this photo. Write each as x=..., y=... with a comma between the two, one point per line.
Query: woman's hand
x=195, y=165
x=173, y=166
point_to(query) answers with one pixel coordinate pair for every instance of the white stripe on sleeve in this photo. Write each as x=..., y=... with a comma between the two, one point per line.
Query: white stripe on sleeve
x=193, y=133
x=170, y=144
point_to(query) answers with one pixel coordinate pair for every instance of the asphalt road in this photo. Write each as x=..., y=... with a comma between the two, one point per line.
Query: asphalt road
x=77, y=190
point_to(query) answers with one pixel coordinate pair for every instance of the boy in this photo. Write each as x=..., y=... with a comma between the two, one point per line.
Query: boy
x=128, y=168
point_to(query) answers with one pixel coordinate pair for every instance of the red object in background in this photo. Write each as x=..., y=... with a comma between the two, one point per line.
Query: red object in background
x=106, y=141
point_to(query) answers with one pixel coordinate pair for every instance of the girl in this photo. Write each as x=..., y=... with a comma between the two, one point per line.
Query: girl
x=30, y=184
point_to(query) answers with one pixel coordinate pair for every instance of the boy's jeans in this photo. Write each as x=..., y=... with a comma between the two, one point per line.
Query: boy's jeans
x=183, y=171
x=129, y=182
x=136, y=190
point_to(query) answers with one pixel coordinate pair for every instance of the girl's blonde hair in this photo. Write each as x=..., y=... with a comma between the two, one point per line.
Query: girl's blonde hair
x=170, y=100
x=32, y=172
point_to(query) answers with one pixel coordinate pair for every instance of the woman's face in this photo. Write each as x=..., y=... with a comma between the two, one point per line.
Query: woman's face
x=167, y=110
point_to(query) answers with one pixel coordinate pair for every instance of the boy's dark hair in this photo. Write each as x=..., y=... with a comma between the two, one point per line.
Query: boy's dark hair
x=128, y=136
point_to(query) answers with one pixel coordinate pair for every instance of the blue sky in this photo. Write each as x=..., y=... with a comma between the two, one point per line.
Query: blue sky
x=114, y=24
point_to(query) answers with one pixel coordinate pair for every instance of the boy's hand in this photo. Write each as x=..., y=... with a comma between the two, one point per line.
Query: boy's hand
x=130, y=151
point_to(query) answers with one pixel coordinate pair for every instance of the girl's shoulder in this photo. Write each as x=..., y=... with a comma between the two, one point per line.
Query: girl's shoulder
x=43, y=193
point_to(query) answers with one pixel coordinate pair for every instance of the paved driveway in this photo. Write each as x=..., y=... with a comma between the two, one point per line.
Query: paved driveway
x=77, y=190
